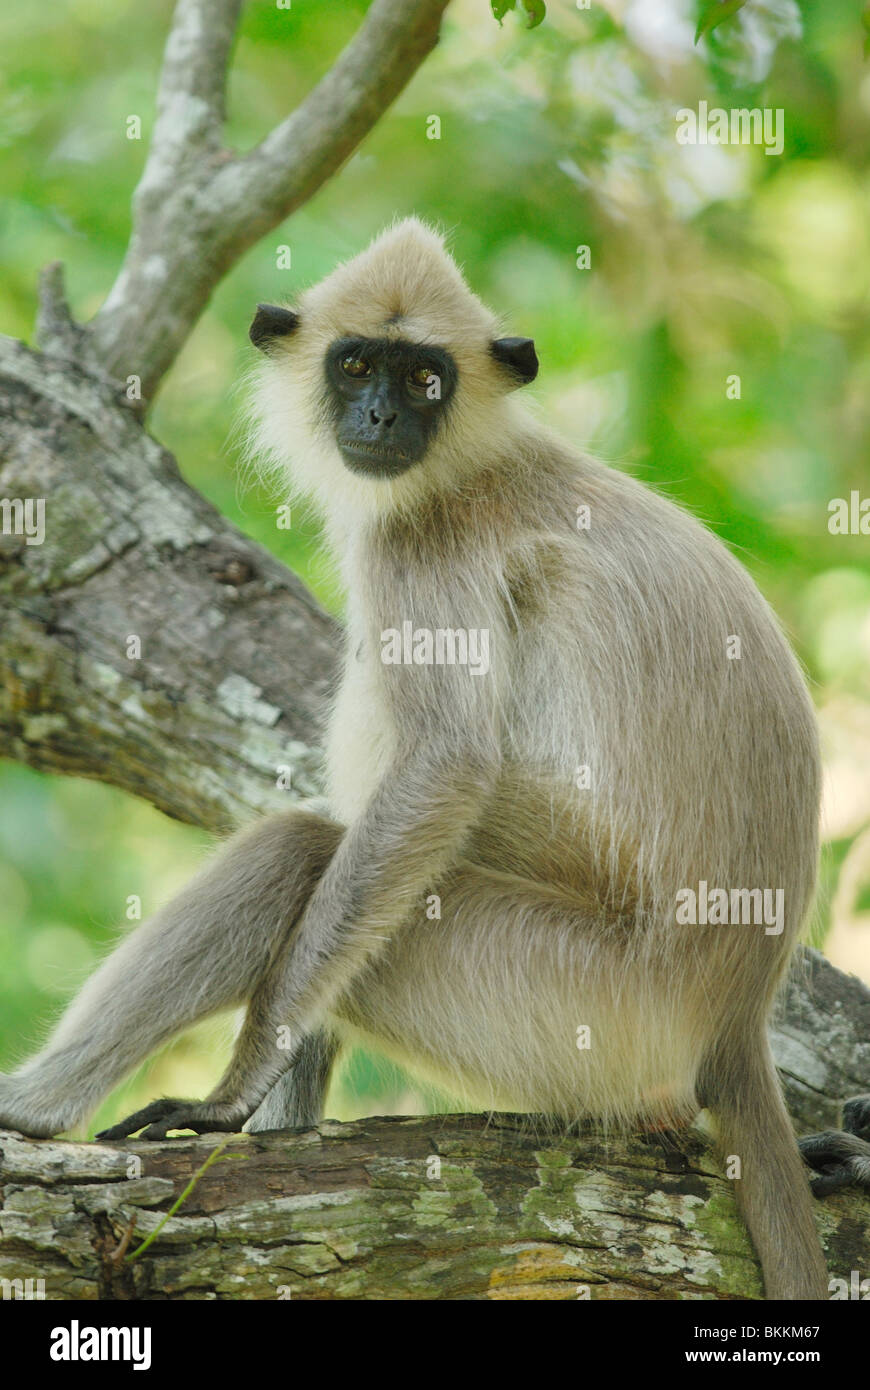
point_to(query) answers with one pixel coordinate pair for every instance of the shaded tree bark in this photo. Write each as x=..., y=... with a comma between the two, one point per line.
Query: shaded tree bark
x=446, y=1207
x=236, y=656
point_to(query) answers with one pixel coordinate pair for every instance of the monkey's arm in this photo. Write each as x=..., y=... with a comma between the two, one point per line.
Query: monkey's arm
x=412, y=830
x=446, y=728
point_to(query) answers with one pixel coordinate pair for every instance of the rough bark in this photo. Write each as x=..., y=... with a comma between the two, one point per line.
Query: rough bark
x=236, y=658
x=452, y=1207
x=821, y=1043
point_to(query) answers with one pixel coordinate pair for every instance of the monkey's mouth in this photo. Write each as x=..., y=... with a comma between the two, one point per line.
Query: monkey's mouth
x=374, y=460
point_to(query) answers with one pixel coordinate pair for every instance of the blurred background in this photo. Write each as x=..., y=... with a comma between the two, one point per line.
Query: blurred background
x=706, y=262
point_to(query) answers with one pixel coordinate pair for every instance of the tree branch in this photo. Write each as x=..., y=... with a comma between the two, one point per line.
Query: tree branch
x=258, y=190
x=236, y=656
x=192, y=90
x=448, y=1207
x=197, y=209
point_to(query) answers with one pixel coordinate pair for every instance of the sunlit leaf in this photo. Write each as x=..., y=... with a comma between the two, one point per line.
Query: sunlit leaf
x=715, y=12
x=501, y=7
x=535, y=12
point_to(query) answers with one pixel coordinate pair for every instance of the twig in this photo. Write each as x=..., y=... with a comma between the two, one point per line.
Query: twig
x=198, y=208
x=214, y=1157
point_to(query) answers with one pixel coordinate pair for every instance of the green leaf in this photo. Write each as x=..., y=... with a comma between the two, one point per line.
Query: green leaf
x=501, y=7
x=715, y=12
x=535, y=12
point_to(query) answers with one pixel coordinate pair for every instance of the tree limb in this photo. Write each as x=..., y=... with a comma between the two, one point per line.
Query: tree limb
x=197, y=208
x=236, y=656
x=447, y=1207
x=192, y=89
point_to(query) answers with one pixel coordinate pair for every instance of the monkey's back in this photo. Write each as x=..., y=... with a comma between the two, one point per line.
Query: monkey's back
x=653, y=699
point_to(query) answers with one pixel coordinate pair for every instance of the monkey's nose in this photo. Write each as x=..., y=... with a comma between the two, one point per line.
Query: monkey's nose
x=379, y=418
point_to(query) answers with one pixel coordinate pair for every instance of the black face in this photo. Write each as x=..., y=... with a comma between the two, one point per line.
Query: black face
x=387, y=399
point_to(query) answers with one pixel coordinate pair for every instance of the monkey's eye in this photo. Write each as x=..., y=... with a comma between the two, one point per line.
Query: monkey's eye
x=421, y=375
x=355, y=366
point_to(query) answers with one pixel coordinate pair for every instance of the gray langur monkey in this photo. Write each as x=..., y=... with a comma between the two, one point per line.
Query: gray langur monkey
x=565, y=711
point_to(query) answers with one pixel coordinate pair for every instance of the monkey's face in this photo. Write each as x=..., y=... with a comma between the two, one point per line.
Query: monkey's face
x=387, y=380
x=386, y=399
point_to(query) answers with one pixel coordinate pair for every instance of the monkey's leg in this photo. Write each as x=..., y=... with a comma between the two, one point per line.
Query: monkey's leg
x=486, y=1002
x=742, y=1090
x=493, y=994
x=206, y=950
x=296, y=1100
x=410, y=830
x=295, y=1068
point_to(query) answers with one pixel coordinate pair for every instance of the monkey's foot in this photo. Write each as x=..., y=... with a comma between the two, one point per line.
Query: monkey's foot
x=158, y=1118
x=856, y=1116
x=840, y=1159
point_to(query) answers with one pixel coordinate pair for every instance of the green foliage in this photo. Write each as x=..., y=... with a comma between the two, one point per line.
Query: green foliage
x=706, y=262
x=712, y=13
x=535, y=10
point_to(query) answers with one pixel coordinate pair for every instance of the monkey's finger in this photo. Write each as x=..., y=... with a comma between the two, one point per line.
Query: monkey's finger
x=842, y=1160
x=832, y=1181
x=149, y=1114
x=160, y=1130
x=202, y=1119
x=829, y=1150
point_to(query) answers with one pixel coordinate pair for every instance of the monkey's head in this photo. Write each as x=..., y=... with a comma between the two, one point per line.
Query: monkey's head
x=386, y=378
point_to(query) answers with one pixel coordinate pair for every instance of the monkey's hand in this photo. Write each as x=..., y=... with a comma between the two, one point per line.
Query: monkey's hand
x=158, y=1118
x=841, y=1157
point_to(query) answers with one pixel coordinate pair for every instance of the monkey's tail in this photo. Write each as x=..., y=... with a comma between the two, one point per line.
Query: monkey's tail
x=773, y=1193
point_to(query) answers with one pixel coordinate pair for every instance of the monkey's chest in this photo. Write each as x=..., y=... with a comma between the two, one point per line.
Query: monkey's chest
x=359, y=742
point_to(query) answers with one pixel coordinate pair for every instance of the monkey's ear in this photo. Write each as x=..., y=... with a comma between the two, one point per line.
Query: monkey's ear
x=271, y=322
x=519, y=356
